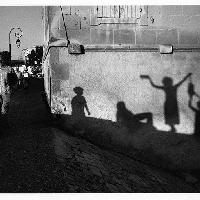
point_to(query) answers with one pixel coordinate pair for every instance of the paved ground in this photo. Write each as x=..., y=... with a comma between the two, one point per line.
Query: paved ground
x=36, y=157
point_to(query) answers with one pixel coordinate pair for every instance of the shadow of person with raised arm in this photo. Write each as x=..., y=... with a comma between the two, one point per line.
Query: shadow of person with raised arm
x=78, y=104
x=197, y=116
x=171, y=110
x=191, y=92
x=130, y=120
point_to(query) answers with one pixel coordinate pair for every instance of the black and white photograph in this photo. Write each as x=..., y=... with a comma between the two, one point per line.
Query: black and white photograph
x=99, y=98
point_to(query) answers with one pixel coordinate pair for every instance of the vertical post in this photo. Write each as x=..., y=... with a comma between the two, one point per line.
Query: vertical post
x=9, y=54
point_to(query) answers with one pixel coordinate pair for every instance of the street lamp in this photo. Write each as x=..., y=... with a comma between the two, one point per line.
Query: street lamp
x=18, y=34
x=18, y=42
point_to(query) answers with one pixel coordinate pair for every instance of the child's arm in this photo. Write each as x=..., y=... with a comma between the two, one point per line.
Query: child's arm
x=86, y=107
x=151, y=82
x=183, y=80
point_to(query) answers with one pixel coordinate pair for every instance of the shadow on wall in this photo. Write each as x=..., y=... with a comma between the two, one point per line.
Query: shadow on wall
x=171, y=110
x=130, y=135
x=192, y=93
x=132, y=121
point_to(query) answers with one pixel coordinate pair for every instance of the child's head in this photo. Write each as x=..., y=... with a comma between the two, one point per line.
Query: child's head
x=78, y=90
x=167, y=81
x=198, y=104
x=121, y=106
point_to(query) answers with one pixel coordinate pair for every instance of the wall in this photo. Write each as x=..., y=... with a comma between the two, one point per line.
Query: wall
x=150, y=25
x=109, y=77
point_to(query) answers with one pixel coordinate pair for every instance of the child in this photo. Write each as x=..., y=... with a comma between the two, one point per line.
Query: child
x=79, y=103
x=130, y=120
x=25, y=78
x=171, y=111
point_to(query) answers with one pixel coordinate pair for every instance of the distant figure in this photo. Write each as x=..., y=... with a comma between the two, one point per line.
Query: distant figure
x=5, y=101
x=197, y=117
x=11, y=79
x=25, y=79
x=19, y=77
x=29, y=68
x=6, y=97
x=79, y=103
x=171, y=111
x=130, y=120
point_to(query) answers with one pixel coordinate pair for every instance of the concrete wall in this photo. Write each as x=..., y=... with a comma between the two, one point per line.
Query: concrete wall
x=47, y=77
x=150, y=25
x=109, y=77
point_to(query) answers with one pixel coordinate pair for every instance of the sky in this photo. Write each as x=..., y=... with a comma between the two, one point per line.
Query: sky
x=29, y=19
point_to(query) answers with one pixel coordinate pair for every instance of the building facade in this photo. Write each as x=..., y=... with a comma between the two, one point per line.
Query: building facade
x=122, y=43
